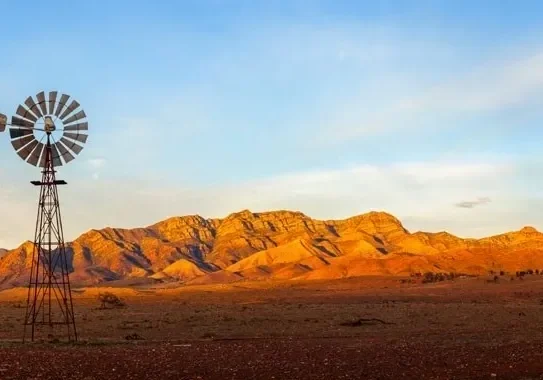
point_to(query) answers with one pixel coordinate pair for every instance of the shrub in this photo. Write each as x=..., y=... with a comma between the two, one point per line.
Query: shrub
x=428, y=277
x=109, y=301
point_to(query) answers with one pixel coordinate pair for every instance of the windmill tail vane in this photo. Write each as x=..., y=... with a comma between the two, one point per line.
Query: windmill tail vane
x=48, y=131
x=3, y=122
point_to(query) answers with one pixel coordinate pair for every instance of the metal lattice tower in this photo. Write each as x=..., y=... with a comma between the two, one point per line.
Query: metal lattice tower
x=49, y=300
x=48, y=131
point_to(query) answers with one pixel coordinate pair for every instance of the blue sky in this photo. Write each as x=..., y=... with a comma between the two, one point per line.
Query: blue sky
x=333, y=108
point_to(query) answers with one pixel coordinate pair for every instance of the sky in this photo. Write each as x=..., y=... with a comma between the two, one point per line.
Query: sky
x=429, y=110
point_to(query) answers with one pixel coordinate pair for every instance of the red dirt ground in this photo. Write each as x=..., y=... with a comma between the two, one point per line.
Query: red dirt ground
x=466, y=329
x=344, y=358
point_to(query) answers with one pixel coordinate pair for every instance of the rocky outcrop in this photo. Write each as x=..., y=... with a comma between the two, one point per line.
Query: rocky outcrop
x=15, y=265
x=277, y=245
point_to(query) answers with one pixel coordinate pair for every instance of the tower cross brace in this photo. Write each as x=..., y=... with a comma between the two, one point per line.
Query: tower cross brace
x=49, y=300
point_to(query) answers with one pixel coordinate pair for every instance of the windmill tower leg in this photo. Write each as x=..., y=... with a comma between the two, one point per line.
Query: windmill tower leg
x=49, y=300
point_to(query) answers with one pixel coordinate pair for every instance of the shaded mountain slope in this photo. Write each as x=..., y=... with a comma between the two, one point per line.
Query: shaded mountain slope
x=277, y=245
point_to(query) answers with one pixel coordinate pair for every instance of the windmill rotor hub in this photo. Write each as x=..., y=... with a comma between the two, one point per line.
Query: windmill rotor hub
x=49, y=125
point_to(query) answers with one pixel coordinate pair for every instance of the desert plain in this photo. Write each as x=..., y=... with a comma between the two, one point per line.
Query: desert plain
x=372, y=327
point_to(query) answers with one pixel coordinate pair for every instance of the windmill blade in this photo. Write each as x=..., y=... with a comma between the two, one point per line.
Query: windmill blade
x=71, y=108
x=33, y=107
x=43, y=158
x=25, y=152
x=42, y=103
x=23, y=112
x=78, y=116
x=64, y=152
x=52, y=102
x=55, y=156
x=15, y=133
x=71, y=145
x=76, y=136
x=3, y=122
x=17, y=121
x=61, y=104
x=35, y=155
x=19, y=143
x=77, y=127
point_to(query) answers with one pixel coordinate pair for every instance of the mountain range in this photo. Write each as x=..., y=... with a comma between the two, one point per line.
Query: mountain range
x=277, y=245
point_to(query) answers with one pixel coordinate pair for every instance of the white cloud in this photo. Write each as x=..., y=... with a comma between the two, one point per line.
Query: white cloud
x=151, y=137
x=496, y=85
x=421, y=194
x=490, y=87
x=96, y=165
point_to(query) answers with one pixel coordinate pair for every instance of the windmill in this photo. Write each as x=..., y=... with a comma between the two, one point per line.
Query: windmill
x=48, y=132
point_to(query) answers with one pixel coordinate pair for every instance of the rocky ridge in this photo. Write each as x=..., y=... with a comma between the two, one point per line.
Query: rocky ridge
x=277, y=245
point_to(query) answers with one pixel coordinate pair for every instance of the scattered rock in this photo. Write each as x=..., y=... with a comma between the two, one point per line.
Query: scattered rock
x=134, y=336
x=366, y=322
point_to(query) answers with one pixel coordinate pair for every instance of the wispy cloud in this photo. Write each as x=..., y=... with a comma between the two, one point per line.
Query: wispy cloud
x=419, y=193
x=416, y=190
x=96, y=165
x=472, y=204
x=152, y=137
x=495, y=85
